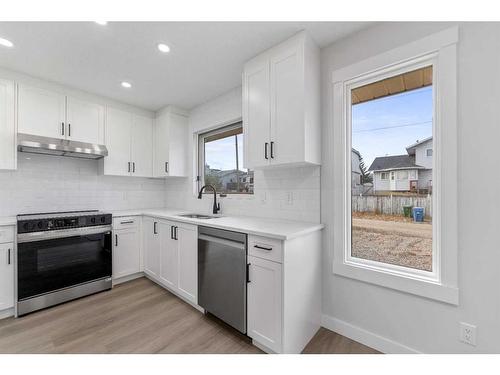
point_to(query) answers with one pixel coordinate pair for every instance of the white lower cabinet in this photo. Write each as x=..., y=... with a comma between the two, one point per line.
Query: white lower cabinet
x=187, y=238
x=284, y=292
x=6, y=276
x=151, y=241
x=126, y=251
x=171, y=256
x=168, y=255
x=264, y=307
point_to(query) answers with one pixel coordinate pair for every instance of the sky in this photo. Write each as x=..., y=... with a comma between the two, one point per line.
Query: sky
x=388, y=125
x=220, y=154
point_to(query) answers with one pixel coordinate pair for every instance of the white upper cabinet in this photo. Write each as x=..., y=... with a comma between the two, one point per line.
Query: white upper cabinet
x=41, y=112
x=129, y=139
x=142, y=146
x=170, y=145
x=118, y=133
x=7, y=125
x=281, y=106
x=256, y=112
x=85, y=121
x=52, y=114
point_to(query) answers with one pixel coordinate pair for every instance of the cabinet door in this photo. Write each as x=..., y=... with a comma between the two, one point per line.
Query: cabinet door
x=152, y=244
x=7, y=125
x=161, y=144
x=287, y=105
x=265, y=302
x=85, y=121
x=41, y=112
x=126, y=252
x=256, y=113
x=142, y=146
x=118, y=132
x=177, y=145
x=6, y=276
x=187, y=238
x=169, y=256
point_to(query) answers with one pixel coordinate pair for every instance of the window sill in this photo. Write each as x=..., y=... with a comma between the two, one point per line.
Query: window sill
x=404, y=283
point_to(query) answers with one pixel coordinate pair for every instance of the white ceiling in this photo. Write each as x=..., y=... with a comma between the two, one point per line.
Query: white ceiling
x=206, y=58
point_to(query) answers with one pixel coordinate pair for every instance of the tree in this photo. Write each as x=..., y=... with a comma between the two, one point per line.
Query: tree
x=366, y=176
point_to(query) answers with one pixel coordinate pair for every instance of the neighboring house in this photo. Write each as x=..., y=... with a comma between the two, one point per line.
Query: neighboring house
x=411, y=172
x=232, y=180
x=356, y=186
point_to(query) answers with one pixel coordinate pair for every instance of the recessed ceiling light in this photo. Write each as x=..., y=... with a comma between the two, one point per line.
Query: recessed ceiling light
x=6, y=43
x=163, y=48
x=103, y=23
x=126, y=84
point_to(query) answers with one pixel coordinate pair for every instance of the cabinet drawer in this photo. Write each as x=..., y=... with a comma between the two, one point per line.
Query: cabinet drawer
x=125, y=222
x=265, y=248
x=6, y=234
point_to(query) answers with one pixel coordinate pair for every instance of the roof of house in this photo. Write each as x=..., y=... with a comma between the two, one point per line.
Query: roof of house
x=411, y=148
x=393, y=162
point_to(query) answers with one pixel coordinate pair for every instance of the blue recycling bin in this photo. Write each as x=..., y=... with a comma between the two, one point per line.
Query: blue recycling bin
x=418, y=214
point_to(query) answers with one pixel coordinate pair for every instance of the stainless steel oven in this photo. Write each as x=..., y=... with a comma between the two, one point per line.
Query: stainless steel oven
x=62, y=256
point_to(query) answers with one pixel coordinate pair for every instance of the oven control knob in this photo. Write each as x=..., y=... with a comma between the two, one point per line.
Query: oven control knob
x=40, y=224
x=92, y=220
x=103, y=219
x=29, y=226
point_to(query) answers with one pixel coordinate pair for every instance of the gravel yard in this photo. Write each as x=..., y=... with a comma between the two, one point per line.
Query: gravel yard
x=402, y=243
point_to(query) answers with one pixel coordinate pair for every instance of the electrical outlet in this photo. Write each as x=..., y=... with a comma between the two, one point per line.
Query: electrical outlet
x=468, y=333
x=263, y=197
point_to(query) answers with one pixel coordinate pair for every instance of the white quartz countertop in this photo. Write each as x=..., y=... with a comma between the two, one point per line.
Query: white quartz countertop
x=272, y=228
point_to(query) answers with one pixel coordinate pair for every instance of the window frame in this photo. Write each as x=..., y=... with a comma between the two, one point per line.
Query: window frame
x=427, y=152
x=438, y=50
x=200, y=167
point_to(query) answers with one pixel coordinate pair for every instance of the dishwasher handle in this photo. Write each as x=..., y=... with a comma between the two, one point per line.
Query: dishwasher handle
x=222, y=241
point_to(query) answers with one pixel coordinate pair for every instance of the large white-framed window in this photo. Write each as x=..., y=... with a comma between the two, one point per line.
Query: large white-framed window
x=436, y=52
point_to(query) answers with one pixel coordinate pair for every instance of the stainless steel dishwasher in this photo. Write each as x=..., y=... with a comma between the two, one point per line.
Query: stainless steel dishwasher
x=222, y=275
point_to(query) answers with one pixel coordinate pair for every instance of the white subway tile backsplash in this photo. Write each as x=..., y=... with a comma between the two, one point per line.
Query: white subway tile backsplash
x=270, y=199
x=45, y=183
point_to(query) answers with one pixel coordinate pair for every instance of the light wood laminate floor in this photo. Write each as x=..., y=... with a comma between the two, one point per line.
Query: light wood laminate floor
x=138, y=317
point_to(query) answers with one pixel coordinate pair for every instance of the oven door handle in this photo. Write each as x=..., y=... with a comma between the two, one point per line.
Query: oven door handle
x=63, y=233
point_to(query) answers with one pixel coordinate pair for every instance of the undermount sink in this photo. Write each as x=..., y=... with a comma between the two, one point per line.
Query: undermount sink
x=198, y=216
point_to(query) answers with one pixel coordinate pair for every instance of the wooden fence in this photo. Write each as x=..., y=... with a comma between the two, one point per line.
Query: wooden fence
x=390, y=204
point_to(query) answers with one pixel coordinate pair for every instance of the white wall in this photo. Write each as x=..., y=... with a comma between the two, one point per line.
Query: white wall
x=272, y=187
x=405, y=319
x=49, y=183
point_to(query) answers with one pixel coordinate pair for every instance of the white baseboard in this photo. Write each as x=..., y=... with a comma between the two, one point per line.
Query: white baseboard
x=377, y=342
x=124, y=279
x=7, y=313
x=156, y=281
x=262, y=347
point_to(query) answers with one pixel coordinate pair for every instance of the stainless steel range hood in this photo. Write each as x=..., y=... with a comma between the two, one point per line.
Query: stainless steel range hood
x=59, y=147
